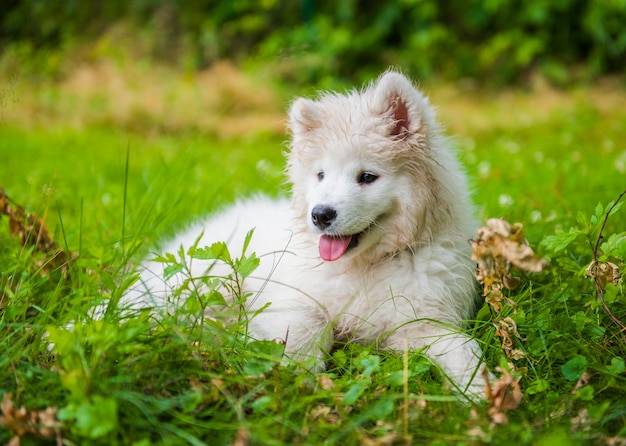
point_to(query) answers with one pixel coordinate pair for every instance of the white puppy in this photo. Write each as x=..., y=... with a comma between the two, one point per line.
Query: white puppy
x=372, y=247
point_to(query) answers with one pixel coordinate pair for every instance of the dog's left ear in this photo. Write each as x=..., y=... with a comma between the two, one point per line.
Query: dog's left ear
x=304, y=116
x=396, y=99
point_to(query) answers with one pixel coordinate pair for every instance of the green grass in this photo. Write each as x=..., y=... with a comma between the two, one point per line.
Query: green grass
x=110, y=194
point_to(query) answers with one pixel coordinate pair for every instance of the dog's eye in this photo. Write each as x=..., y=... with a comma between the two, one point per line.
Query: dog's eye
x=367, y=178
x=320, y=175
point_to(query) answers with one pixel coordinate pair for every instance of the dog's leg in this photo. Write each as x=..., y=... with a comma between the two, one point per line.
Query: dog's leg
x=305, y=331
x=459, y=356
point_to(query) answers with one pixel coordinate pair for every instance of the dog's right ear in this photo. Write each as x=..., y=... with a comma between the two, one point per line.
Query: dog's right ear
x=304, y=116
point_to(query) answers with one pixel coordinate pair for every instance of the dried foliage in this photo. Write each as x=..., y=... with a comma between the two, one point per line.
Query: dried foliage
x=499, y=248
x=242, y=438
x=505, y=394
x=42, y=423
x=33, y=233
x=506, y=329
x=603, y=272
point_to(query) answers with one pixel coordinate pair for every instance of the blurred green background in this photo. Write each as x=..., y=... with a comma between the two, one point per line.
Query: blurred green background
x=321, y=42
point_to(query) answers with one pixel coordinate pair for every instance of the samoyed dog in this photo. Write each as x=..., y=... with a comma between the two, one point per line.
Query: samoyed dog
x=371, y=248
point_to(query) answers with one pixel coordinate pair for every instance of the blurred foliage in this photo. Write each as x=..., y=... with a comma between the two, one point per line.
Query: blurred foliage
x=308, y=41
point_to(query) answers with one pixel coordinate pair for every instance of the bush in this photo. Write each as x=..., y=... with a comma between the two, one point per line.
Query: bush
x=497, y=41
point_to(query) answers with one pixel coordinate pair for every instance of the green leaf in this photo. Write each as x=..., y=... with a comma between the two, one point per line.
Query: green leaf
x=370, y=365
x=190, y=401
x=260, y=310
x=574, y=368
x=615, y=245
x=257, y=366
x=354, y=392
x=246, y=241
x=582, y=220
x=63, y=339
x=192, y=249
x=215, y=298
x=203, y=254
x=423, y=365
x=265, y=355
x=192, y=305
x=395, y=379
x=560, y=240
x=270, y=349
x=538, y=386
x=598, y=215
x=262, y=403
x=221, y=252
x=597, y=412
x=601, y=211
x=585, y=393
x=617, y=366
x=340, y=357
x=171, y=270
x=382, y=408
x=167, y=258
x=617, y=207
x=181, y=252
x=92, y=419
x=217, y=251
x=246, y=265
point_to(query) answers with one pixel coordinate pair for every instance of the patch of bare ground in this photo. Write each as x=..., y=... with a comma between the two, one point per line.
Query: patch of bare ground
x=466, y=110
x=227, y=102
x=221, y=100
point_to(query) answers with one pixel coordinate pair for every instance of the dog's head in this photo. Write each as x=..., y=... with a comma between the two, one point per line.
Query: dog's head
x=364, y=169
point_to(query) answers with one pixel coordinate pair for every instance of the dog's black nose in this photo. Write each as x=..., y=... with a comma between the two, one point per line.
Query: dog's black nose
x=323, y=216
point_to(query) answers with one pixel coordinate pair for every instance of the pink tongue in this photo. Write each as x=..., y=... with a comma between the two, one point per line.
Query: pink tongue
x=331, y=248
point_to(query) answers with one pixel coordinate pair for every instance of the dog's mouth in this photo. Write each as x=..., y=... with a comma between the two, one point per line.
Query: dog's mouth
x=332, y=247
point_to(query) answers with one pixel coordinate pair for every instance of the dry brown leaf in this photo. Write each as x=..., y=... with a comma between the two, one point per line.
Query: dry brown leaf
x=495, y=299
x=582, y=381
x=197, y=385
x=242, y=438
x=327, y=413
x=387, y=439
x=12, y=418
x=615, y=441
x=506, y=329
x=504, y=395
x=326, y=382
x=319, y=412
x=43, y=423
x=33, y=232
x=500, y=246
x=582, y=421
x=218, y=382
x=603, y=273
x=516, y=354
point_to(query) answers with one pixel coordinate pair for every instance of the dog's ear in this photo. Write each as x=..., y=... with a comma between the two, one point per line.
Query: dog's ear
x=396, y=99
x=304, y=116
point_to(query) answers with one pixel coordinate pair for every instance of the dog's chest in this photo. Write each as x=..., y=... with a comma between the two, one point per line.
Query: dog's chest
x=368, y=300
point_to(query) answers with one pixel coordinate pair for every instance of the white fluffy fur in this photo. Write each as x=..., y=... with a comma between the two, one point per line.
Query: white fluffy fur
x=409, y=281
